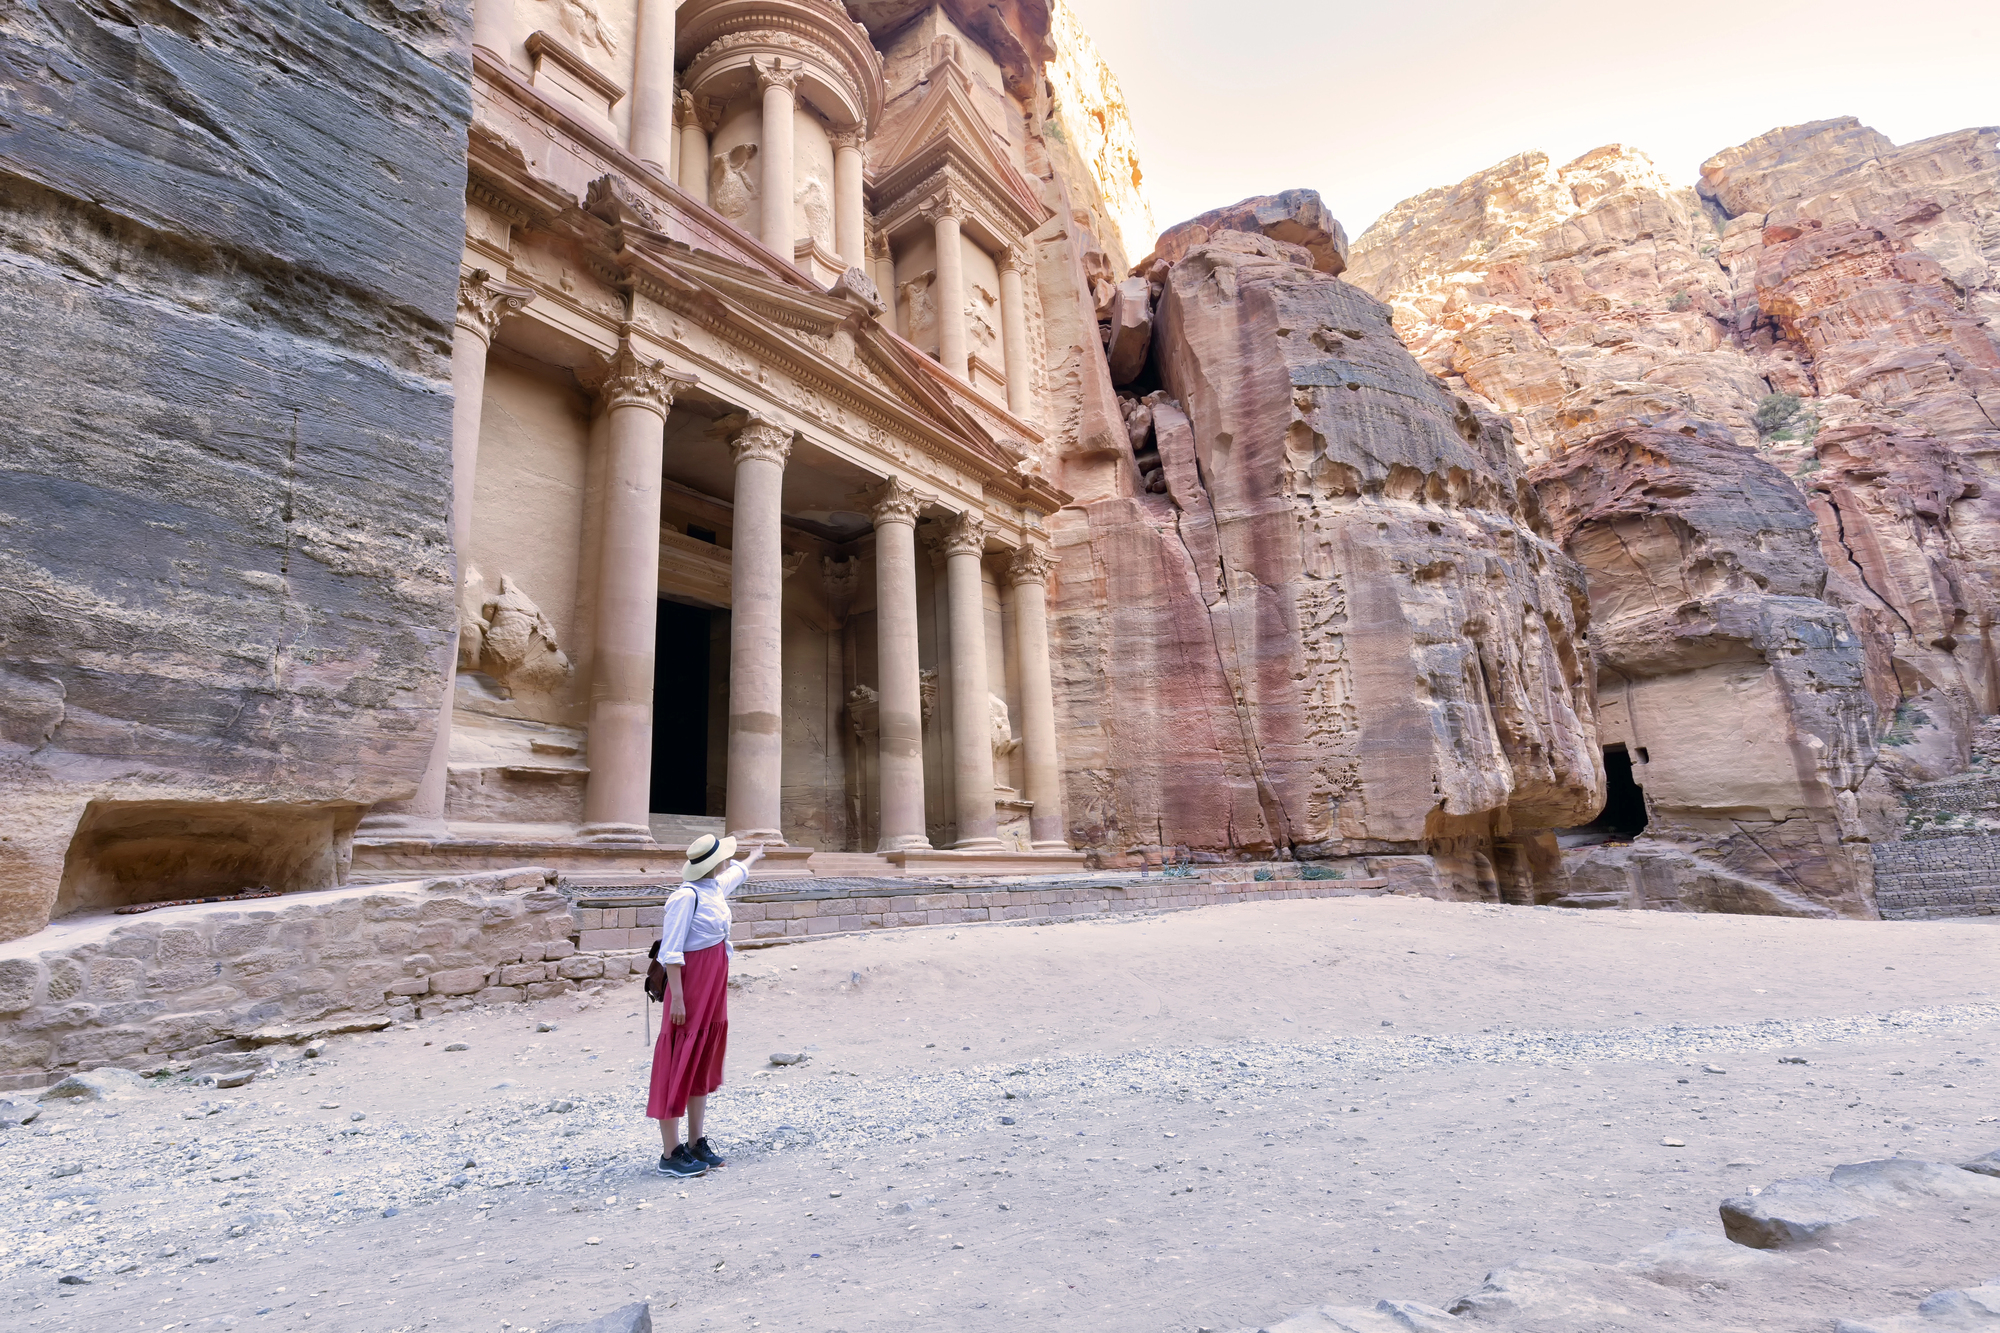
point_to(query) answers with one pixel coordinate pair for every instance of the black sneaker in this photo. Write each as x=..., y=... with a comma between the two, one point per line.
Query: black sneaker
x=701, y=1152
x=680, y=1162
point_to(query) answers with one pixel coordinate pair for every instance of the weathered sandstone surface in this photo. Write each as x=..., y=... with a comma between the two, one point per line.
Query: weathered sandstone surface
x=1320, y=615
x=1762, y=414
x=225, y=588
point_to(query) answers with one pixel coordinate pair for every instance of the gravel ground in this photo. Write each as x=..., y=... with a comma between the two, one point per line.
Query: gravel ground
x=1305, y=1146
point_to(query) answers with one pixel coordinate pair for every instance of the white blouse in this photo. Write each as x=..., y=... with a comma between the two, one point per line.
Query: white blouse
x=697, y=915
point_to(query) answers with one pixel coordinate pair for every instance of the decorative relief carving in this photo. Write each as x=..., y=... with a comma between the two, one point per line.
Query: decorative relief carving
x=863, y=707
x=483, y=302
x=733, y=188
x=580, y=19
x=947, y=202
x=1016, y=258
x=611, y=198
x=762, y=439
x=896, y=501
x=626, y=380
x=776, y=75
x=855, y=138
x=964, y=534
x=1030, y=564
x=699, y=112
x=927, y=692
x=814, y=200
x=513, y=642
x=1005, y=742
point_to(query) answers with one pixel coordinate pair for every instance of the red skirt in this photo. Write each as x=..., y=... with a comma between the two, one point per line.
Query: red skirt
x=687, y=1059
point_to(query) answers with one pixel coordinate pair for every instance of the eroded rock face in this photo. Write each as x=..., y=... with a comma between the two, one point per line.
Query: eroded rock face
x=226, y=588
x=1342, y=628
x=1814, y=312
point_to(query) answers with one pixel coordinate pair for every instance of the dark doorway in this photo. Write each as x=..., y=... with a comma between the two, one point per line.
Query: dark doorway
x=1624, y=799
x=680, y=710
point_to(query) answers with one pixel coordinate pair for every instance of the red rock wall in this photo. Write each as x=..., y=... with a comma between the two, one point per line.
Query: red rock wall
x=1340, y=629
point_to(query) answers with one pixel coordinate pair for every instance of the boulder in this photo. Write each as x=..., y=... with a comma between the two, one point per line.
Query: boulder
x=1131, y=333
x=1296, y=217
x=98, y=1085
x=15, y=1112
x=1989, y=1165
x=1903, y=1181
x=1791, y=1214
x=635, y=1318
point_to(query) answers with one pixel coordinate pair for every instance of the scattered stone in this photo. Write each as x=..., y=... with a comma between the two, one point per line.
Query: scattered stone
x=208, y=1258
x=73, y=1280
x=1791, y=1059
x=15, y=1112
x=560, y=1106
x=791, y=1058
x=1006, y=1119
x=1713, y=1069
x=458, y=1182
x=545, y=1026
x=315, y=1049
x=1899, y=1180
x=357, y=1115
x=833, y=1194
x=98, y=1085
x=458, y=1046
x=591, y=1240
x=904, y=1207
x=66, y=1169
x=235, y=1080
x=329, y=1106
x=391, y=1211
x=1673, y=1143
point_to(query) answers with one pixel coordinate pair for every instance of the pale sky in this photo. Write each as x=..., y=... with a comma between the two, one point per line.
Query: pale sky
x=1372, y=103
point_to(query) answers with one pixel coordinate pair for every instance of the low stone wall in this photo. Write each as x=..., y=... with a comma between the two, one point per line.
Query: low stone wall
x=180, y=982
x=773, y=918
x=1933, y=878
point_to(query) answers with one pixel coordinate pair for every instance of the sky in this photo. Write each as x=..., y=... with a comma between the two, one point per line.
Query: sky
x=1372, y=103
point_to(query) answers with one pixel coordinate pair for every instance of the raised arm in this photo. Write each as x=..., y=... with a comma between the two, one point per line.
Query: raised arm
x=736, y=874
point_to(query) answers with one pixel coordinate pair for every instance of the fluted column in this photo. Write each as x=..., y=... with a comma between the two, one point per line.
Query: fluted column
x=693, y=116
x=1014, y=330
x=635, y=395
x=850, y=213
x=653, y=85
x=1028, y=571
x=900, y=725
x=756, y=641
x=942, y=212
x=779, y=84
x=971, y=697
x=493, y=26
x=482, y=304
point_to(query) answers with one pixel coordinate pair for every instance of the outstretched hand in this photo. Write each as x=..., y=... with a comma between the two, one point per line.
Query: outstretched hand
x=756, y=855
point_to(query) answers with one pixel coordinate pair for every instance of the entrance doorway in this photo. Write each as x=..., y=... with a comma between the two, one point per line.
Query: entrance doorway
x=1624, y=814
x=689, y=697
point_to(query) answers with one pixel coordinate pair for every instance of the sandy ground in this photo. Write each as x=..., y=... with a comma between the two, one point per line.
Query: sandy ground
x=1219, y=1116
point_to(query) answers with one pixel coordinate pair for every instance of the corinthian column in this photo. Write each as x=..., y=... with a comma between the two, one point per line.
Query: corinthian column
x=900, y=726
x=1014, y=329
x=942, y=213
x=482, y=304
x=971, y=698
x=635, y=396
x=779, y=85
x=850, y=213
x=694, y=117
x=1029, y=573
x=653, y=85
x=756, y=642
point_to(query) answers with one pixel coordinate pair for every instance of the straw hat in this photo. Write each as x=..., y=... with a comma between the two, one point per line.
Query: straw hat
x=705, y=854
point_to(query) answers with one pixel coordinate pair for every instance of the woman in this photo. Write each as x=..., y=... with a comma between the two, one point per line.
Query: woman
x=694, y=950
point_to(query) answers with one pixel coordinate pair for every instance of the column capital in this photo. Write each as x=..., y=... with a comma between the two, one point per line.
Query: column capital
x=694, y=112
x=896, y=501
x=853, y=137
x=963, y=534
x=1016, y=258
x=762, y=438
x=1030, y=564
x=484, y=302
x=777, y=75
x=946, y=203
x=627, y=380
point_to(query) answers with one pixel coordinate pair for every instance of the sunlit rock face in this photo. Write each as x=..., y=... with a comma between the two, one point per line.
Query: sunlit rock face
x=225, y=593
x=1812, y=324
x=1339, y=627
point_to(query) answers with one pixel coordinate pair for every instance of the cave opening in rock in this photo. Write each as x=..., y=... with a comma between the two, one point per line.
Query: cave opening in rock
x=1624, y=813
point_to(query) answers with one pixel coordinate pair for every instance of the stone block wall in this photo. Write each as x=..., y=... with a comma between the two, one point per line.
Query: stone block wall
x=179, y=982
x=1938, y=877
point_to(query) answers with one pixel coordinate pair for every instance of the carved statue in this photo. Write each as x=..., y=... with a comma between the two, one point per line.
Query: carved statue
x=921, y=301
x=815, y=215
x=517, y=644
x=579, y=18
x=732, y=185
x=1005, y=742
x=979, y=318
x=927, y=689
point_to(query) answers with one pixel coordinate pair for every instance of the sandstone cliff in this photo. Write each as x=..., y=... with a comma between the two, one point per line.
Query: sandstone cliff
x=1336, y=625
x=225, y=596
x=1761, y=414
